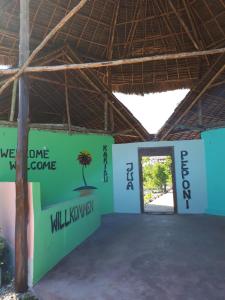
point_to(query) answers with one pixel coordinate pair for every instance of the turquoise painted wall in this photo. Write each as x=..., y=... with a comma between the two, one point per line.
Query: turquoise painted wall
x=78, y=219
x=215, y=170
x=57, y=153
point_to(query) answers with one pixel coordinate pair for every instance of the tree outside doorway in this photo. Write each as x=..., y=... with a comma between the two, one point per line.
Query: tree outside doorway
x=157, y=177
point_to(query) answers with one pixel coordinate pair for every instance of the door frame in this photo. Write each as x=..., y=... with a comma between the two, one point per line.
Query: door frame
x=157, y=151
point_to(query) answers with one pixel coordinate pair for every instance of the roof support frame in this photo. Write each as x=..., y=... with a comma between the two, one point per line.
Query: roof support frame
x=94, y=65
x=205, y=83
x=87, y=74
x=49, y=36
x=195, y=43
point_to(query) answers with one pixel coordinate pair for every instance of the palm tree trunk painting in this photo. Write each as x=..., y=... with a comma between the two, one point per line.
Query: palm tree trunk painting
x=85, y=182
x=85, y=159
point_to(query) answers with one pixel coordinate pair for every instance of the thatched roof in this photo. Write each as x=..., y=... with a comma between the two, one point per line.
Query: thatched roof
x=86, y=94
x=113, y=29
x=142, y=28
x=203, y=107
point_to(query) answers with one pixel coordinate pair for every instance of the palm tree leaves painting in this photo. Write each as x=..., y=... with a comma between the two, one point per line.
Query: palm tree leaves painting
x=85, y=159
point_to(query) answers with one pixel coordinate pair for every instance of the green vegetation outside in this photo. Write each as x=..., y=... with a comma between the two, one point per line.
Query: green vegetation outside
x=157, y=176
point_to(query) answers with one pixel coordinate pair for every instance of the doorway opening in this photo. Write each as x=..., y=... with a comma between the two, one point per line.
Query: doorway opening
x=157, y=179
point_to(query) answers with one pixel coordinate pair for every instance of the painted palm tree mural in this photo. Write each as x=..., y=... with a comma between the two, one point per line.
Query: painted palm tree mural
x=85, y=159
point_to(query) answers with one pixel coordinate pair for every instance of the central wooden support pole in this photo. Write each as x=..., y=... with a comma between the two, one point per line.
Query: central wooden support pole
x=21, y=249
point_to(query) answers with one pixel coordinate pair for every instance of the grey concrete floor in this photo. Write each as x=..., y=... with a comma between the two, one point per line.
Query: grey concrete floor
x=144, y=257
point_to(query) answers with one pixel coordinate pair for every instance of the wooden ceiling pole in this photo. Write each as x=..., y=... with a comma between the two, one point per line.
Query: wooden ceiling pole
x=58, y=83
x=13, y=104
x=112, y=63
x=110, y=56
x=200, y=115
x=191, y=20
x=184, y=25
x=169, y=26
x=133, y=28
x=197, y=34
x=106, y=107
x=21, y=249
x=48, y=37
x=99, y=86
x=67, y=102
x=200, y=89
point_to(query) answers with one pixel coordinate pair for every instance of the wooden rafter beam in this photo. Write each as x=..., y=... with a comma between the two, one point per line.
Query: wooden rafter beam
x=186, y=6
x=195, y=43
x=131, y=34
x=112, y=63
x=74, y=129
x=112, y=31
x=56, y=82
x=218, y=83
x=67, y=102
x=99, y=86
x=222, y=3
x=196, y=33
x=43, y=43
x=191, y=128
x=125, y=135
x=170, y=28
x=106, y=114
x=57, y=127
x=80, y=14
x=109, y=55
x=186, y=105
x=200, y=115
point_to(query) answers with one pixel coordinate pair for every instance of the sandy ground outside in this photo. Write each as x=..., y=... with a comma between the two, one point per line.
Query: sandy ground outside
x=163, y=204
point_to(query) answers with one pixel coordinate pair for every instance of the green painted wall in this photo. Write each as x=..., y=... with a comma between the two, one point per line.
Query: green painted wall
x=215, y=170
x=50, y=248
x=60, y=151
x=63, y=218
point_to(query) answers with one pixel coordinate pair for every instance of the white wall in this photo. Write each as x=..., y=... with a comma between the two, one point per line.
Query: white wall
x=128, y=201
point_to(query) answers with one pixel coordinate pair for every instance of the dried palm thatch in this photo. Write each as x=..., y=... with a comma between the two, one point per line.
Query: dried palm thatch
x=203, y=108
x=106, y=30
x=125, y=29
x=74, y=101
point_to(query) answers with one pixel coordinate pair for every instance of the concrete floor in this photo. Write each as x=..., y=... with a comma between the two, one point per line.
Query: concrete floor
x=144, y=257
x=163, y=204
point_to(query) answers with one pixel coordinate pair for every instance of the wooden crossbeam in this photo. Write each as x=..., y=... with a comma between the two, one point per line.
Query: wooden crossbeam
x=49, y=126
x=74, y=129
x=111, y=63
